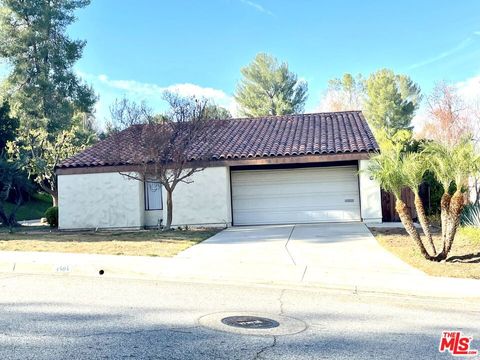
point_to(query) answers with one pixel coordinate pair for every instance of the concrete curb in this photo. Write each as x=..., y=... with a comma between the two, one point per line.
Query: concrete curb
x=186, y=270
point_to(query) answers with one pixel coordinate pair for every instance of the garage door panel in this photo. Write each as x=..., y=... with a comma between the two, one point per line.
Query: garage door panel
x=295, y=195
x=291, y=191
x=302, y=176
x=304, y=201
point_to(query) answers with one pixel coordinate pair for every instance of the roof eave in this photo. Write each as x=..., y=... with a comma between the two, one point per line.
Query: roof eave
x=277, y=160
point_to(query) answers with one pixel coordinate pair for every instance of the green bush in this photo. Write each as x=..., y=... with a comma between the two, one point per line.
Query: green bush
x=52, y=216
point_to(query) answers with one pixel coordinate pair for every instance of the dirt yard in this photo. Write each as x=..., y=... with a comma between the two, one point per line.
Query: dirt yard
x=463, y=261
x=138, y=243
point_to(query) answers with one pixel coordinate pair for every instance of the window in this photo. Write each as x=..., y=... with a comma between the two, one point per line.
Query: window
x=153, y=195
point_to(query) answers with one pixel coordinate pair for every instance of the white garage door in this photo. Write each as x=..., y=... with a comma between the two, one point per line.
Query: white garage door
x=295, y=195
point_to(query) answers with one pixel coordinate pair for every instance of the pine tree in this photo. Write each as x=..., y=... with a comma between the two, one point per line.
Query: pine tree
x=42, y=87
x=270, y=88
x=391, y=101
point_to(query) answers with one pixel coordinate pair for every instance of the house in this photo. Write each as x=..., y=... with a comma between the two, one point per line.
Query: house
x=303, y=168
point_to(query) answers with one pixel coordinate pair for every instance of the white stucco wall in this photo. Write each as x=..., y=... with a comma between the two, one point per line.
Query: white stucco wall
x=205, y=201
x=370, y=196
x=105, y=200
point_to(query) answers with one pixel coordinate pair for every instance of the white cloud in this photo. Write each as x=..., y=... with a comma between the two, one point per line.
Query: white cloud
x=148, y=89
x=257, y=7
x=420, y=119
x=470, y=92
x=195, y=90
x=151, y=93
x=470, y=88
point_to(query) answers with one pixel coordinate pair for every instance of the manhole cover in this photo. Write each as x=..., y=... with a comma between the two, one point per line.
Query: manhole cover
x=250, y=322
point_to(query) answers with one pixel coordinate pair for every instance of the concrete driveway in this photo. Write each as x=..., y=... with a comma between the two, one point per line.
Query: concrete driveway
x=347, y=247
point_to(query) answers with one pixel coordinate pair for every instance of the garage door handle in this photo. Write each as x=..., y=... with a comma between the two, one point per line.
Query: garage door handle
x=349, y=200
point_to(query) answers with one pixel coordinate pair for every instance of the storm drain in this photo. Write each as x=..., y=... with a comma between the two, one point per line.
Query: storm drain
x=252, y=323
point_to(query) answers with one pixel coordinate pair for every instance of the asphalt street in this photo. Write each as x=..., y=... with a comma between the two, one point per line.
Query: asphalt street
x=66, y=317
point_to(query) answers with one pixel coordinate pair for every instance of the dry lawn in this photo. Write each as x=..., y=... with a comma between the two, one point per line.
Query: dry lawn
x=136, y=243
x=463, y=261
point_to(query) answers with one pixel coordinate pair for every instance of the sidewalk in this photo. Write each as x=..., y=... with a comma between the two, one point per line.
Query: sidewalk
x=180, y=269
x=36, y=222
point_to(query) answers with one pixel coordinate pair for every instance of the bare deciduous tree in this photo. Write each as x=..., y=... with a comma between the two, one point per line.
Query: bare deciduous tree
x=450, y=117
x=173, y=150
x=343, y=94
x=125, y=113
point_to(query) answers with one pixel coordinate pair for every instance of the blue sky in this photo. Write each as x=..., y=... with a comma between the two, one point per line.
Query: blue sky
x=140, y=47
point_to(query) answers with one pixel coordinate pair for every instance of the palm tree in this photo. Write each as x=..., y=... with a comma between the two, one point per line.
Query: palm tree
x=452, y=165
x=466, y=163
x=388, y=170
x=414, y=166
x=440, y=162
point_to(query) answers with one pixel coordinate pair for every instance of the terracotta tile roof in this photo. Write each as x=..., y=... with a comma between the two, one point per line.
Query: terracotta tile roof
x=270, y=136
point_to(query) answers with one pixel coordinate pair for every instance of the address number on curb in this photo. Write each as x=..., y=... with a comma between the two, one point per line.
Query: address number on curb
x=63, y=268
